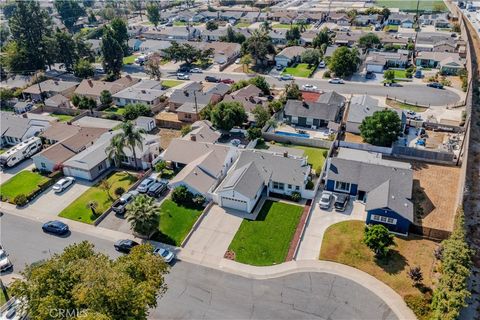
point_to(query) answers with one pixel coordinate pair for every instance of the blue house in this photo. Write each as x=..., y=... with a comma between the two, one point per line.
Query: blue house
x=384, y=186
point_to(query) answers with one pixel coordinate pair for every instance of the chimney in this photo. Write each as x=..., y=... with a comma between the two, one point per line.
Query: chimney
x=128, y=77
x=285, y=154
x=90, y=83
x=193, y=137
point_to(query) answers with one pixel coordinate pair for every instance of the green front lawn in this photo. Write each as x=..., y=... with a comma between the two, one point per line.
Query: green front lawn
x=62, y=117
x=171, y=83
x=300, y=70
x=404, y=106
x=243, y=24
x=266, y=241
x=411, y=5
x=24, y=182
x=288, y=26
x=390, y=28
x=400, y=74
x=129, y=59
x=78, y=209
x=175, y=222
x=115, y=110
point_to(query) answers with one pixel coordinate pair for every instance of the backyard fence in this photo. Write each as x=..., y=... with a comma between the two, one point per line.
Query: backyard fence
x=317, y=143
x=424, y=155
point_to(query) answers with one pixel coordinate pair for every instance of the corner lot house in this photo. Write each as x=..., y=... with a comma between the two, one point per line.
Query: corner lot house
x=400, y=19
x=50, y=88
x=93, y=88
x=378, y=61
x=384, y=186
x=448, y=63
x=258, y=172
x=328, y=107
x=15, y=129
x=289, y=56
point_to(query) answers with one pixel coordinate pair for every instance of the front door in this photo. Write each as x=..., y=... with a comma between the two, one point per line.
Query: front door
x=361, y=196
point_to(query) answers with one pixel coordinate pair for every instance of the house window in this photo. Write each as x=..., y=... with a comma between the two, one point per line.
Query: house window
x=297, y=188
x=278, y=185
x=294, y=119
x=342, y=186
x=383, y=219
x=289, y=186
x=43, y=165
x=100, y=166
x=309, y=121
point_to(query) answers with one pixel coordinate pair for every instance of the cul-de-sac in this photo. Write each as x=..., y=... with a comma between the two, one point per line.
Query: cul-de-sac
x=239, y=159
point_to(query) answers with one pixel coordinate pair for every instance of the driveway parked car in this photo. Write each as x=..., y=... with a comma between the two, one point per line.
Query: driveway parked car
x=55, y=227
x=227, y=81
x=166, y=255
x=5, y=263
x=336, y=81
x=341, y=202
x=309, y=87
x=212, y=79
x=157, y=189
x=322, y=64
x=183, y=76
x=286, y=77
x=125, y=245
x=196, y=70
x=435, y=85
x=145, y=184
x=120, y=205
x=325, y=200
x=63, y=184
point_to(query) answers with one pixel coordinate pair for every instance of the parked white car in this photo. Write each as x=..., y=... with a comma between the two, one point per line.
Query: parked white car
x=325, y=200
x=63, y=184
x=5, y=263
x=322, y=64
x=309, y=87
x=183, y=76
x=166, y=255
x=336, y=81
x=286, y=77
x=145, y=184
x=196, y=70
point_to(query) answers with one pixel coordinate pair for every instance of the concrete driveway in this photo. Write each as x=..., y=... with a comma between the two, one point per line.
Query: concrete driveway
x=214, y=234
x=53, y=203
x=319, y=221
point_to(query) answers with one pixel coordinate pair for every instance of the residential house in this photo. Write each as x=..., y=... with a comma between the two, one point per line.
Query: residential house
x=148, y=45
x=203, y=131
x=348, y=38
x=95, y=46
x=15, y=129
x=445, y=46
x=366, y=20
x=425, y=41
x=58, y=131
x=249, y=97
x=439, y=20
x=22, y=107
x=145, y=123
x=214, y=35
x=58, y=101
x=384, y=186
x=448, y=62
x=93, y=161
x=148, y=92
x=251, y=16
x=405, y=20
x=173, y=33
x=328, y=108
x=93, y=122
x=307, y=37
x=53, y=157
x=93, y=88
x=49, y=88
x=340, y=18
x=258, y=173
x=377, y=61
x=315, y=17
x=363, y=106
x=202, y=165
x=224, y=53
x=289, y=56
x=285, y=17
x=394, y=39
x=278, y=36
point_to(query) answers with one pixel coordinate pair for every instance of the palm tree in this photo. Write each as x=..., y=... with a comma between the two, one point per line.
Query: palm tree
x=115, y=150
x=265, y=26
x=143, y=215
x=246, y=60
x=132, y=137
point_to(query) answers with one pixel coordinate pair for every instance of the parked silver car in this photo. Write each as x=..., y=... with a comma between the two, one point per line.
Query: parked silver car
x=325, y=200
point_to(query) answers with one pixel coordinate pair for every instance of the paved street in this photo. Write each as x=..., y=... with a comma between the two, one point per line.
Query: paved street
x=411, y=92
x=199, y=292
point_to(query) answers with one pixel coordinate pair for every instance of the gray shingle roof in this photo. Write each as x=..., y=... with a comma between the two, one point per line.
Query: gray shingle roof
x=245, y=180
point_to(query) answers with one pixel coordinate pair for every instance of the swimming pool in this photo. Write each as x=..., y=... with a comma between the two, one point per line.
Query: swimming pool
x=293, y=134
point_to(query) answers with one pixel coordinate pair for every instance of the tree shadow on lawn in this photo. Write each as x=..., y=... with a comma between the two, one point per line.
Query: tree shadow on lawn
x=394, y=264
x=161, y=237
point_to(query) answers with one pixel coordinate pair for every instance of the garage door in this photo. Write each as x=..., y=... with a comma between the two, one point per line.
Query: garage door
x=234, y=204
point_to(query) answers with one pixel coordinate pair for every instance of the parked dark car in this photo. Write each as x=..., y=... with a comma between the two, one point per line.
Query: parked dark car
x=125, y=245
x=183, y=69
x=211, y=79
x=418, y=74
x=157, y=189
x=435, y=85
x=341, y=202
x=370, y=75
x=55, y=227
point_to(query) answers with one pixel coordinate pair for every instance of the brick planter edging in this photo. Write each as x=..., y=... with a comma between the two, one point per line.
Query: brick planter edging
x=292, y=251
x=196, y=224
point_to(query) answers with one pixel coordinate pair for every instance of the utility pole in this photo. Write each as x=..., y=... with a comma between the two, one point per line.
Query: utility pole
x=4, y=290
x=195, y=99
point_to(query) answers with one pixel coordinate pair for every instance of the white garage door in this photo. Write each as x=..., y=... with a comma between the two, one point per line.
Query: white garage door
x=374, y=68
x=234, y=204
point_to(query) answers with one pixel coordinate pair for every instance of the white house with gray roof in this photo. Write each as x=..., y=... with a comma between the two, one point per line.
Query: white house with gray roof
x=384, y=186
x=15, y=129
x=261, y=172
x=146, y=92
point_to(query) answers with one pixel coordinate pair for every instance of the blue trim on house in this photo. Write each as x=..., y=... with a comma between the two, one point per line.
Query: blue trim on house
x=330, y=186
x=402, y=225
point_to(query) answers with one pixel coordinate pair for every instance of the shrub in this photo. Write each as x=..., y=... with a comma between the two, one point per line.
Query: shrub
x=181, y=195
x=296, y=196
x=325, y=153
x=327, y=74
x=159, y=166
x=167, y=173
x=199, y=200
x=415, y=273
x=309, y=185
x=318, y=170
x=20, y=200
x=420, y=304
x=119, y=191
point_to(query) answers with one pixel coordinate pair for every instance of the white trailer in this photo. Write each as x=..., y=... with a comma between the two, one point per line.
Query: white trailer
x=20, y=152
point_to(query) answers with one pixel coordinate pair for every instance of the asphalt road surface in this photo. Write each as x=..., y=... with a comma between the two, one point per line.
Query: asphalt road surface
x=196, y=292
x=413, y=93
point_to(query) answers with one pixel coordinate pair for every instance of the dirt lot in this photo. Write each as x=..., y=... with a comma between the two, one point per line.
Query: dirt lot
x=351, y=137
x=435, y=190
x=166, y=136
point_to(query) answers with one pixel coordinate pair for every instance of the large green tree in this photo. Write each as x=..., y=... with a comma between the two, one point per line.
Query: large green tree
x=233, y=36
x=30, y=27
x=83, y=69
x=69, y=11
x=311, y=56
x=261, y=115
x=259, y=45
x=120, y=33
x=321, y=38
x=344, y=61
x=66, y=50
x=132, y=137
x=92, y=284
x=143, y=215
x=378, y=239
x=112, y=54
x=292, y=91
x=153, y=13
x=226, y=115
x=369, y=41
x=382, y=128
x=261, y=83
